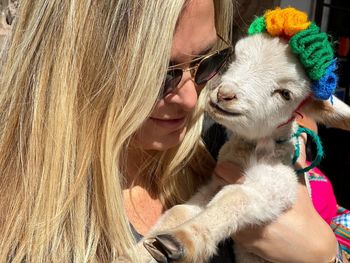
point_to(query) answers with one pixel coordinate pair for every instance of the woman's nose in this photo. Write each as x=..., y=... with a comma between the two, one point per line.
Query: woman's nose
x=185, y=94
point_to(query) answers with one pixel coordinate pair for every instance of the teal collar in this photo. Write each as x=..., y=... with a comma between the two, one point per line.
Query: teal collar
x=315, y=139
x=319, y=149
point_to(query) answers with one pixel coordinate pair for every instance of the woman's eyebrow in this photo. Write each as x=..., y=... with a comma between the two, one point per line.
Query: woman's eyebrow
x=203, y=52
x=207, y=49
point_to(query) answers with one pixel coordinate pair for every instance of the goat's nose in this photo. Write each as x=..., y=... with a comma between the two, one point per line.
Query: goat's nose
x=225, y=93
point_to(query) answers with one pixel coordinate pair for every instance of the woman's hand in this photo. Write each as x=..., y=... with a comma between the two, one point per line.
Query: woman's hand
x=298, y=235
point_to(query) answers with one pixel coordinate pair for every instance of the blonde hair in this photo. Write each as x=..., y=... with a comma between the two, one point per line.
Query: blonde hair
x=74, y=76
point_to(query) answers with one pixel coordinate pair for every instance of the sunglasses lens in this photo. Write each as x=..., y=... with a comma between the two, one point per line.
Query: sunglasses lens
x=172, y=79
x=210, y=66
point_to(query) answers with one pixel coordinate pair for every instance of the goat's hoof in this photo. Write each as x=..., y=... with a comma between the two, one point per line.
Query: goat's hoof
x=164, y=248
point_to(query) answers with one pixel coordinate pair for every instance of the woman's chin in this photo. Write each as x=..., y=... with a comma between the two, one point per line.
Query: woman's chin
x=164, y=143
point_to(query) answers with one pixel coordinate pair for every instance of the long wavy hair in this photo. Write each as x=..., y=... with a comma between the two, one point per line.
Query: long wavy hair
x=73, y=79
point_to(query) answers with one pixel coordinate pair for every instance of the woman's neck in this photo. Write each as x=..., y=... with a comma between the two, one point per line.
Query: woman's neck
x=142, y=206
x=135, y=161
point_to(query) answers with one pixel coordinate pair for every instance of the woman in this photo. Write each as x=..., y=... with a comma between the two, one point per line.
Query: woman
x=92, y=142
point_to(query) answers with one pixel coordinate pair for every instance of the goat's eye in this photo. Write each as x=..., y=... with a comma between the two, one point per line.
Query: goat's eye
x=286, y=94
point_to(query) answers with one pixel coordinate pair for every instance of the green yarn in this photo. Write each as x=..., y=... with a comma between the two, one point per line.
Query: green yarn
x=320, y=68
x=296, y=41
x=308, y=56
x=314, y=50
x=319, y=154
x=257, y=26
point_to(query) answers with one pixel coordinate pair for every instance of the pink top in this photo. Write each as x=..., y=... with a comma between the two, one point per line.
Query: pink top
x=325, y=203
x=322, y=195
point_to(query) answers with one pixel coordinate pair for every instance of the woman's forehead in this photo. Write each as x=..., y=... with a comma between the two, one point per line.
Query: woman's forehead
x=195, y=32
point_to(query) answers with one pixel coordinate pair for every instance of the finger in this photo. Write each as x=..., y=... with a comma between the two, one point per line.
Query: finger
x=229, y=172
x=301, y=161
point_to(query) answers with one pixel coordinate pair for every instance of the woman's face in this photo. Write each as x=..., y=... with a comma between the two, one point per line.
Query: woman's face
x=195, y=35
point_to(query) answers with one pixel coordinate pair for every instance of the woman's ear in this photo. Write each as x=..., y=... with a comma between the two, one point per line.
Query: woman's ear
x=336, y=114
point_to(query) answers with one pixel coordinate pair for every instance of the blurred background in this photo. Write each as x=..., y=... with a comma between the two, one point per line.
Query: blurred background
x=333, y=17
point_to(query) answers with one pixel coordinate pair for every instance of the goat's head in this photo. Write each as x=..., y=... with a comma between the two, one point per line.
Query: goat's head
x=261, y=88
x=267, y=83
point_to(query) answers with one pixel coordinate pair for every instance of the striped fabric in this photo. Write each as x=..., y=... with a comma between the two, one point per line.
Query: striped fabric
x=341, y=227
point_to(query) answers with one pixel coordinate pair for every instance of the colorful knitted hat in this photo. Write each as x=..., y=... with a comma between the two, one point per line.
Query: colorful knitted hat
x=311, y=46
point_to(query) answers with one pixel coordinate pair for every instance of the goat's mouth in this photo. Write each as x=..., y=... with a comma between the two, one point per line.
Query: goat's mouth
x=218, y=109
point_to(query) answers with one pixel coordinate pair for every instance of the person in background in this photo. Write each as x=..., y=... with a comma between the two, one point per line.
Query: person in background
x=98, y=137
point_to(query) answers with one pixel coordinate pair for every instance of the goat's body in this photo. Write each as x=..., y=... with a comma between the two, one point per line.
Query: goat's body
x=216, y=211
x=269, y=188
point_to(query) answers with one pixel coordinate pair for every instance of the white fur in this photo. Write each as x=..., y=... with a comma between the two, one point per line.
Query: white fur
x=263, y=65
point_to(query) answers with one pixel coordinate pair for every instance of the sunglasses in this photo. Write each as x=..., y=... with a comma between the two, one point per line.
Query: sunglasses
x=202, y=69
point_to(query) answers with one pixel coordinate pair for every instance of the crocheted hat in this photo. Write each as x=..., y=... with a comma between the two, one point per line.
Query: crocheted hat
x=311, y=46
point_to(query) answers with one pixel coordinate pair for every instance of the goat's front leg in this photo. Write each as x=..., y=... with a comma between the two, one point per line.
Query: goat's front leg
x=173, y=217
x=196, y=239
x=170, y=219
x=233, y=208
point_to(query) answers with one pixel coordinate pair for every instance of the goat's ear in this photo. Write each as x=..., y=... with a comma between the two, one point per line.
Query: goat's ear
x=335, y=115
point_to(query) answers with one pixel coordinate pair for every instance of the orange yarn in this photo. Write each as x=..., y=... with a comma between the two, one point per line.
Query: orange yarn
x=287, y=21
x=274, y=21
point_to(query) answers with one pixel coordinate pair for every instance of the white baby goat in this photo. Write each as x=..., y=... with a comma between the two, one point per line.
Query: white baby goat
x=260, y=91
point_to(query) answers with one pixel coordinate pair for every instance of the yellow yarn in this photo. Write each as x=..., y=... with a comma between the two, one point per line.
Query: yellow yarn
x=287, y=21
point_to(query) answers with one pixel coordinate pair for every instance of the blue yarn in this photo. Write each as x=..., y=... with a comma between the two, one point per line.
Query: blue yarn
x=319, y=154
x=324, y=87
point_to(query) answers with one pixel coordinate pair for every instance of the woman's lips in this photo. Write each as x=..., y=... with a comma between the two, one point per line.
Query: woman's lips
x=172, y=124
